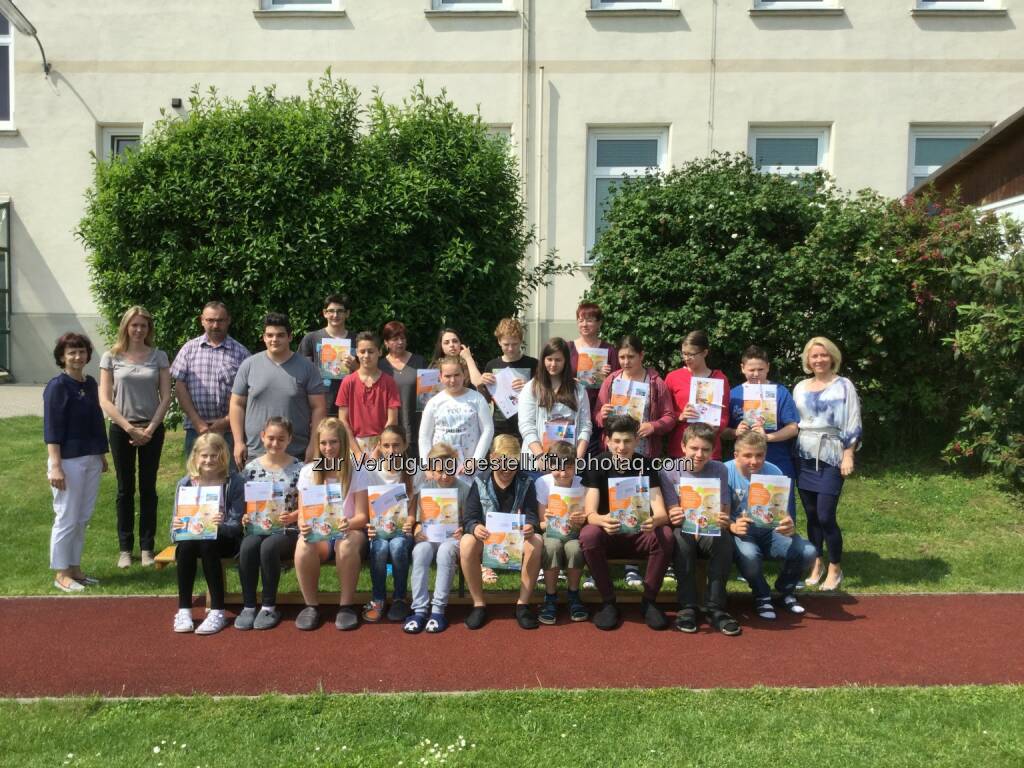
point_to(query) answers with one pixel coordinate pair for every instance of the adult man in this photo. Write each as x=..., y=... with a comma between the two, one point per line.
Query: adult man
x=204, y=371
x=336, y=311
x=276, y=383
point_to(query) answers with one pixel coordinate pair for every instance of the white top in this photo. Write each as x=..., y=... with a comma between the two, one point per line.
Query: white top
x=361, y=480
x=463, y=422
x=543, y=485
x=533, y=417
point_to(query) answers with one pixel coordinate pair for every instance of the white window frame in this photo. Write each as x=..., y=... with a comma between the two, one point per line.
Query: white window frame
x=469, y=7
x=794, y=5
x=110, y=132
x=959, y=5
x=820, y=132
x=658, y=133
x=270, y=6
x=952, y=131
x=631, y=5
x=8, y=42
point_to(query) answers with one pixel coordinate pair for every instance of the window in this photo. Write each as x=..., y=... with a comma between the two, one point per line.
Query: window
x=788, y=150
x=613, y=154
x=6, y=74
x=629, y=5
x=931, y=147
x=300, y=5
x=795, y=5
x=118, y=140
x=959, y=5
x=472, y=5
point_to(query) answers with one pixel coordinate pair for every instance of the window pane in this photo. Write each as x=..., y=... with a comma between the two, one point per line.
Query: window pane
x=300, y=2
x=5, y=82
x=5, y=26
x=783, y=151
x=931, y=151
x=605, y=191
x=627, y=153
x=477, y=3
x=919, y=179
x=120, y=144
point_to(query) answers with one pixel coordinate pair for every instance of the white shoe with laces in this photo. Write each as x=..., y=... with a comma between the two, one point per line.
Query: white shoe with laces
x=214, y=622
x=183, y=621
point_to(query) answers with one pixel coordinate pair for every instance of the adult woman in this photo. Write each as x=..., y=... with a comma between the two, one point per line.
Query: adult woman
x=401, y=365
x=830, y=433
x=449, y=342
x=553, y=398
x=657, y=414
x=76, y=447
x=135, y=393
x=695, y=350
x=589, y=320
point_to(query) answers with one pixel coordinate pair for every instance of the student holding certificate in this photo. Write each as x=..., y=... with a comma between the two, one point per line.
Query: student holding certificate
x=332, y=466
x=591, y=360
x=337, y=308
x=507, y=490
x=553, y=398
x=368, y=399
x=509, y=334
x=207, y=468
x=437, y=540
x=276, y=473
x=763, y=529
x=457, y=415
x=695, y=349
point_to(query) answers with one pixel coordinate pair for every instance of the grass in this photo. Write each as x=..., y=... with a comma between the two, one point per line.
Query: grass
x=846, y=727
x=908, y=528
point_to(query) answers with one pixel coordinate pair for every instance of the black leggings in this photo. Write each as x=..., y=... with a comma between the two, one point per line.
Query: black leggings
x=263, y=555
x=147, y=459
x=187, y=555
x=822, y=526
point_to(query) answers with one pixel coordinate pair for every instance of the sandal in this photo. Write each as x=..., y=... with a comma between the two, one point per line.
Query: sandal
x=726, y=624
x=489, y=576
x=578, y=611
x=794, y=606
x=765, y=609
x=415, y=623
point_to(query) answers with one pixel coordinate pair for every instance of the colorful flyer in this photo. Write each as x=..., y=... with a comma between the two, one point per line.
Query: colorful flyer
x=629, y=397
x=196, y=507
x=428, y=384
x=590, y=361
x=555, y=431
x=629, y=502
x=264, y=504
x=505, y=397
x=503, y=548
x=563, y=503
x=439, y=512
x=760, y=406
x=321, y=507
x=332, y=354
x=701, y=501
x=768, y=500
x=706, y=396
x=389, y=508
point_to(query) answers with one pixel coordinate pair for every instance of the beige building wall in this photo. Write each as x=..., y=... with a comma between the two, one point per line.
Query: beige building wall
x=705, y=72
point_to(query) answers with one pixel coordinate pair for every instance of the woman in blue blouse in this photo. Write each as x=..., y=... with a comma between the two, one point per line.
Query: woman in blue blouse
x=830, y=433
x=76, y=445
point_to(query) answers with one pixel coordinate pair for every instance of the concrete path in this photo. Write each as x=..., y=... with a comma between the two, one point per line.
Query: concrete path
x=21, y=400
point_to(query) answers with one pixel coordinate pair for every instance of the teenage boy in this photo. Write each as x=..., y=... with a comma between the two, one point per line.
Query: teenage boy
x=336, y=311
x=754, y=545
x=600, y=538
x=780, y=431
x=368, y=398
x=697, y=444
x=276, y=383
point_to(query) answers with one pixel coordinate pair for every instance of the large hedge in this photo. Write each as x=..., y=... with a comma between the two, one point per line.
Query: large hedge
x=771, y=260
x=270, y=203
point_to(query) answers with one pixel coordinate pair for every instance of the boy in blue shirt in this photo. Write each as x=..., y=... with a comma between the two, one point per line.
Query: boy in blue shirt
x=780, y=431
x=753, y=544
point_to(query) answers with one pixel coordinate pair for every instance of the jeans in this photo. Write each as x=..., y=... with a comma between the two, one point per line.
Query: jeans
x=398, y=551
x=190, y=439
x=760, y=544
x=125, y=455
x=423, y=554
x=718, y=550
x=263, y=555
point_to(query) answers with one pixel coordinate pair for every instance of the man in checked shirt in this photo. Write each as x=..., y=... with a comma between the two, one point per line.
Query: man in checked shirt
x=204, y=371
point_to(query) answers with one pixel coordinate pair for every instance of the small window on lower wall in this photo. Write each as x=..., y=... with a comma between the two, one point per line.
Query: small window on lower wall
x=300, y=5
x=118, y=140
x=794, y=5
x=931, y=147
x=959, y=5
x=472, y=5
x=630, y=5
x=789, y=150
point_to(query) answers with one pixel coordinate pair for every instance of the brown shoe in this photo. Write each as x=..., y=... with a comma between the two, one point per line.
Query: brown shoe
x=148, y=558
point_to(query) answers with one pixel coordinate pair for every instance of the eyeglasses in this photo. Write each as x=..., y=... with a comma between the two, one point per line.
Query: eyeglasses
x=335, y=311
x=691, y=355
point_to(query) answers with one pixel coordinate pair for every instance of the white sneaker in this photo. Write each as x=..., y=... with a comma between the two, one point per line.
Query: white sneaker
x=588, y=583
x=183, y=620
x=214, y=622
x=148, y=558
x=124, y=560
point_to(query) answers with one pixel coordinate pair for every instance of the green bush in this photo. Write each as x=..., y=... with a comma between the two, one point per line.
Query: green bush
x=270, y=203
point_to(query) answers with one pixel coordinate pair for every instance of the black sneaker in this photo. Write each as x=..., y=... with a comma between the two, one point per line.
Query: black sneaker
x=653, y=615
x=477, y=617
x=308, y=618
x=725, y=624
x=548, y=612
x=347, y=619
x=526, y=617
x=608, y=617
x=686, y=620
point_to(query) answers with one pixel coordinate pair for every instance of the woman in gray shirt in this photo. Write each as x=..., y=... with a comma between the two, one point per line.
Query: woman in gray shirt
x=135, y=393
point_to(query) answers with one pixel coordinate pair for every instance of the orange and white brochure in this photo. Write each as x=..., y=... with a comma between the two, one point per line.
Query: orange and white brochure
x=629, y=502
x=701, y=501
x=768, y=500
x=439, y=512
x=197, y=507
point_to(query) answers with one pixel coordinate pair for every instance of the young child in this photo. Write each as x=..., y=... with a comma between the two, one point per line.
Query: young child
x=697, y=447
x=754, y=545
x=457, y=416
x=208, y=466
x=397, y=549
x=333, y=464
x=780, y=435
x=263, y=553
x=442, y=463
x=559, y=554
x=368, y=398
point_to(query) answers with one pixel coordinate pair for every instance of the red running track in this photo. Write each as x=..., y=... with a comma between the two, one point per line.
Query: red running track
x=125, y=647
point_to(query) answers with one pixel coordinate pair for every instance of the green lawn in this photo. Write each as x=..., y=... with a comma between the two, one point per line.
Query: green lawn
x=845, y=727
x=908, y=528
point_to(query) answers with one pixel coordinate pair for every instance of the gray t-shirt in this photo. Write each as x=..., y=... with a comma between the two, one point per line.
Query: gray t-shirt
x=670, y=477
x=136, y=385
x=277, y=390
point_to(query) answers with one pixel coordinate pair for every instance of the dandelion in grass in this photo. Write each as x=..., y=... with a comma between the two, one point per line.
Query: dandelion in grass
x=156, y=750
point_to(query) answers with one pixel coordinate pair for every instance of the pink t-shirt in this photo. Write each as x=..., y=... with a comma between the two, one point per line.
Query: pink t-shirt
x=368, y=406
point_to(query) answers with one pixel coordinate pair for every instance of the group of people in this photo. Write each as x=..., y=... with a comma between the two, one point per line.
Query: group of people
x=273, y=417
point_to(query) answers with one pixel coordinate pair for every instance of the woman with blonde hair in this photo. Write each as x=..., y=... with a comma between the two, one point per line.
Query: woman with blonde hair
x=830, y=433
x=333, y=463
x=135, y=393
